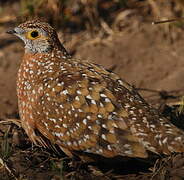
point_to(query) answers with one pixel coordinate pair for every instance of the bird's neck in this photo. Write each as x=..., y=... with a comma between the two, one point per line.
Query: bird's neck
x=37, y=66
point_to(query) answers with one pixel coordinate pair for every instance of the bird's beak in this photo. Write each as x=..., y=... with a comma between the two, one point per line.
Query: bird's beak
x=12, y=31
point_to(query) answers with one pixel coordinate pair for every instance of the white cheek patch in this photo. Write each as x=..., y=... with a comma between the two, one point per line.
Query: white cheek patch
x=21, y=36
x=19, y=31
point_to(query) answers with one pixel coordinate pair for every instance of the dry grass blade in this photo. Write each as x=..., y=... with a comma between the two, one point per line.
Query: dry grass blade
x=12, y=121
x=5, y=149
x=7, y=168
x=106, y=28
x=181, y=103
x=159, y=169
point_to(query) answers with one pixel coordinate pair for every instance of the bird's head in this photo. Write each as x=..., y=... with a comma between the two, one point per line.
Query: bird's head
x=38, y=36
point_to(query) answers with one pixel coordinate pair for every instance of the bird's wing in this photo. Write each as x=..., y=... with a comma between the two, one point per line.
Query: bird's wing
x=90, y=109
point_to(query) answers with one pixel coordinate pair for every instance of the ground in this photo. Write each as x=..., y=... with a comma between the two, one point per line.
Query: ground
x=150, y=57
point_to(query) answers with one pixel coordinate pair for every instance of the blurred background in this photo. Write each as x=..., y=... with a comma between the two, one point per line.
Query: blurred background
x=117, y=34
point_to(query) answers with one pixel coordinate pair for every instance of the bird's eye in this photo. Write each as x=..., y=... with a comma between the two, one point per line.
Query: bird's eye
x=33, y=34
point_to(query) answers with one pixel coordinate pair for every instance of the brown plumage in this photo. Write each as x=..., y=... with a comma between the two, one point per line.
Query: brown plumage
x=80, y=106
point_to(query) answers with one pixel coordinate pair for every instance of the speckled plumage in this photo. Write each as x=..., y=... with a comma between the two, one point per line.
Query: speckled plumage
x=82, y=107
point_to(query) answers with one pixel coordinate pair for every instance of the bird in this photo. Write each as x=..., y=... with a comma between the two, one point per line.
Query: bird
x=82, y=107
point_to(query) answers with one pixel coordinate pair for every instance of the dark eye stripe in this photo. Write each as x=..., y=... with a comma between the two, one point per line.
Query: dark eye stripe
x=34, y=34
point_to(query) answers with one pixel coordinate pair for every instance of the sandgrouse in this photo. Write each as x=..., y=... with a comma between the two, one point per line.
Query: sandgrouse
x=82, y=107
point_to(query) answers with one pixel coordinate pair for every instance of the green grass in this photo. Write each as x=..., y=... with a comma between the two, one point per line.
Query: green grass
x=5, y=146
